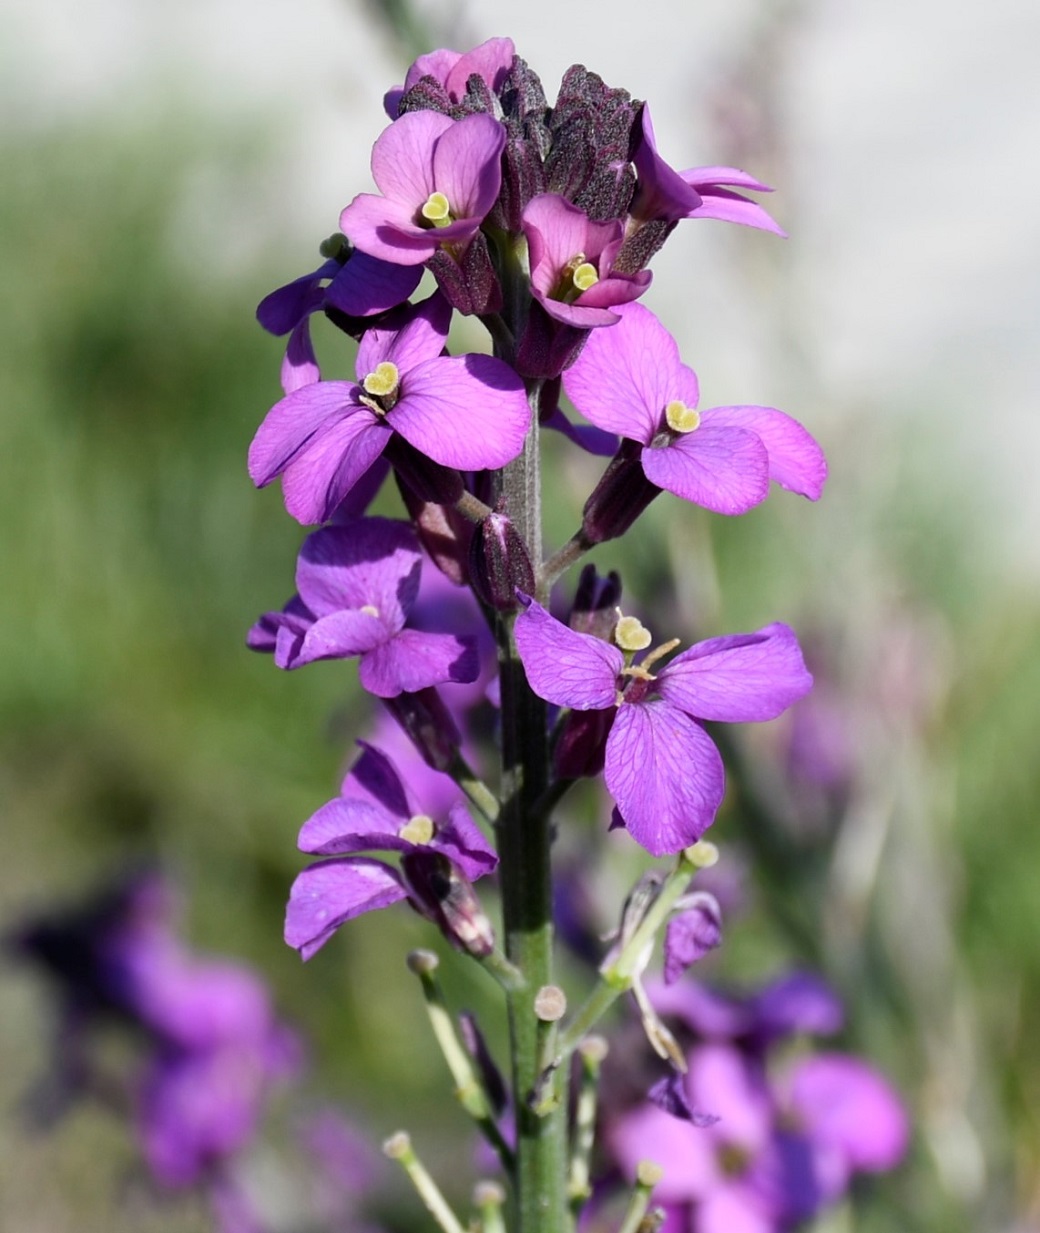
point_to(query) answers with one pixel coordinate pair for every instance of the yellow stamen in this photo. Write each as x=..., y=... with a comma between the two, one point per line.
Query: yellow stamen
x=436, y=210
x=658, y=651
x=369, y=609
x=419, y=829
x=680, y=417
x=585, y=276
x=631, y=634
x=383, y=381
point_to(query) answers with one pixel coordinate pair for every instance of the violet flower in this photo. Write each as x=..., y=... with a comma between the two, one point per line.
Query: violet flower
x=661, y=767
x=374, y=813
x=438, y=178
x=491, y=61
x=469, y=412
x=356, y=586
x=571, y=258
x=631, y=381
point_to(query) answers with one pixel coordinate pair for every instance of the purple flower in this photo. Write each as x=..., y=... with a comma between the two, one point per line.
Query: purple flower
x=661, y=767
x=361, y=286
x=468, y=412
x=665, y=195
x=571, y=260
x=356, y=586
x=631, y=381
x=374, y=813
x=691, y=934
x=438, y=178
x=491, y=61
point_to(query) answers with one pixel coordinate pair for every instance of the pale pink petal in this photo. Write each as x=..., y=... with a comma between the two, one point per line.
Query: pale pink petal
x=331, y=892
x=414, y=660
x=685, y=1152
x=796, y=462
x=467, y=167
x=402, y=157
x=665, y=774
x=739, y=677
x=386, y=229
x=723, y=469
x=469, y=412
x=564, y=666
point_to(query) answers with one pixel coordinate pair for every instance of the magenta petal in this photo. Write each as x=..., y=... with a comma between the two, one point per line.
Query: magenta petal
x=331, y=892
x=469, y=412
x=574, y=314
x=340, y=635
x=564, y=666
x=724, y=469
x=725, y=1081
x=300, y=365
x=292, y=423
x=414, y=660
x=735, y=1207
x=316, y=482
x=402, y=157
x=625, y=377
x=385, y=231
x=845, y=1105
x=796, y=462
x=374, y=562
x=739, y=677
x=665, y=774
x=467, y=167
x=685, y=1152
x=491, y=61
x=732, y=208
x=350, y=825
x=421, y=338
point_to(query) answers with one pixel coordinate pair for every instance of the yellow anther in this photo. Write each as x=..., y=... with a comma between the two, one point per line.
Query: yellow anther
x=383, y=381
x=680, y=417
x=419, y=829
x=369, y=610
x=436, y=210
x=702, y=854
x=631, y=634
x=585, y=276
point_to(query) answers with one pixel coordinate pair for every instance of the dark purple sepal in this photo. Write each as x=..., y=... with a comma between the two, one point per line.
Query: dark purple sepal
x=596, y=598
x=426, y=95
x=547, y=346
x=443, y=532
x=491, y=1078
x=635, y=253
x=470, y=285
x=523, y=177
x=691, y=934
x=425, y=479
x=429, y=725
x=443, y=893
x=499, y=563
x=580, y=748
x=621, y=495
x=669, y=1095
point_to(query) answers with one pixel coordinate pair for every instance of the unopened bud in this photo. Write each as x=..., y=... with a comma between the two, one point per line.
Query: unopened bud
x=550, y=1003
x=621, y=495
x=499, y=563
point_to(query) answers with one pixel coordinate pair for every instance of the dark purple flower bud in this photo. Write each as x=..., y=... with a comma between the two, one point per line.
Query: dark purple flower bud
x=428, y=480
x=428, y=722
x=470, y=285
x=499, y=563
x=691, y=934
x=669, y=1094
x=491, y=1077
x=444, y=894
x=426, y=95
x=580, y=748
x=621, y=495
x=547, y=346
x=596, y=598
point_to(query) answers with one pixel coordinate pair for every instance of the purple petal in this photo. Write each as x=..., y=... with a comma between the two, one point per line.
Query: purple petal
x=797, y=1002
x=365, y=285
x=340, y=635
x=845, y=1105
x=377, y=779
x=284, y=309
x=264, y=634
x=373, y=562
x=463, y=842
x=723, y=469
x=467, y=166
x=564, y=666
x=422, y=337
x=469, y=412
x=739, y=677
x=665, y=774
x=686, y=1153
x=291, y=425
x=796, y=462
x=351, y=825
x=385, y=231
x=414, y=660
x=591, y=439
x=662, y=193
x=402, y=158
x=669, y=1095
x=331, y=892
x=317, y=482
x=625, y=377
x=300, y=366
x=691, y=935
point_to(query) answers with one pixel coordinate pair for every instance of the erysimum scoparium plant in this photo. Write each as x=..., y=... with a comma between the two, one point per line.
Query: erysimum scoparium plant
x=538, y=223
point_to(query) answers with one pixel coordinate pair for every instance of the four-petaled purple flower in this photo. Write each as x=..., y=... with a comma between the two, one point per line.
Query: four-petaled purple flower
x=661, y=767
x=356, y=586
x=631, y=381
x=572, y=260
x=438, y=178
x=375, y=814
x=490, y=61
x=468, y=412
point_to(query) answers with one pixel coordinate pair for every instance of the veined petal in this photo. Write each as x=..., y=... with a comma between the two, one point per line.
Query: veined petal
x=564, y=666
x=467, y=166
x=468, y=411
x=402, y=157
x=351, y=825
x=316, y=482
x=421, y=337
x=372, y=563
x=386, y=231
x=723, y=469
x=293, y=421
x=491, y=61
x=414, y=660
x=796, y=462
x=739, y=677
x=626, y=376
x=340, y=635
x=365, y=285
x=462, y=841
x=665, y=774
x=331, y=892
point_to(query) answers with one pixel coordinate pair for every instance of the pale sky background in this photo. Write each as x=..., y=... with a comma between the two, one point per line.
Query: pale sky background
x=910, y=181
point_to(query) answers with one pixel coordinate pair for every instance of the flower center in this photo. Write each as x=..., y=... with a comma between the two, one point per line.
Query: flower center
x=577, y=275
x=381, y=386
x=369, y=609
x=631, y=635
x=436, y=210
x=681, y=418
x=418, y=830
